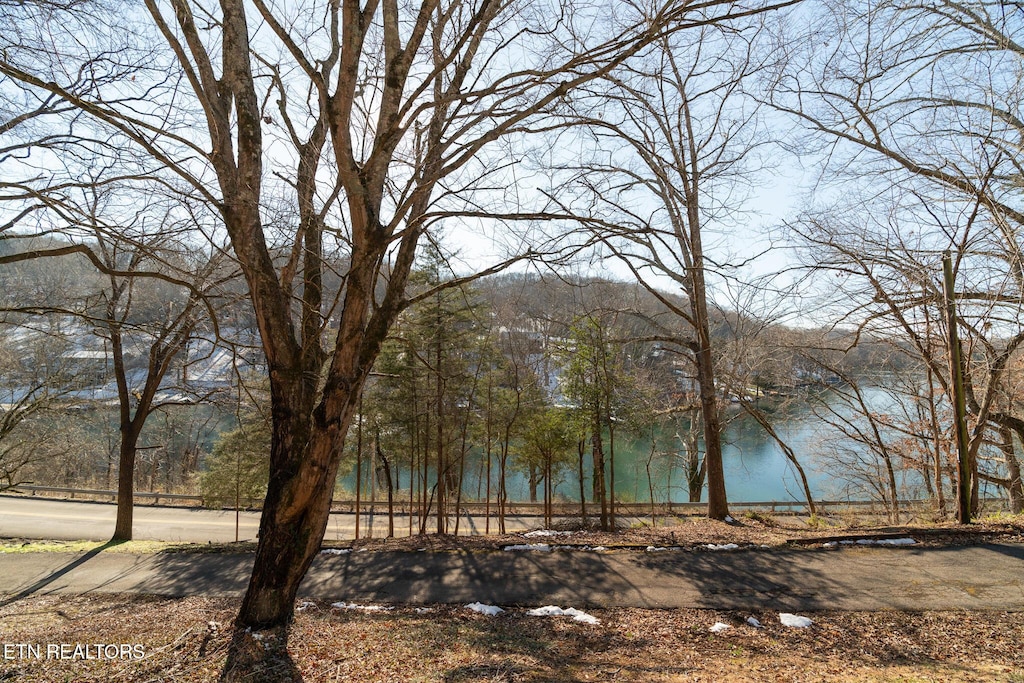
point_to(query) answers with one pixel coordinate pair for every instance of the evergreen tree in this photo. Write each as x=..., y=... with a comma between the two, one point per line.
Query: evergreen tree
x=239, y=466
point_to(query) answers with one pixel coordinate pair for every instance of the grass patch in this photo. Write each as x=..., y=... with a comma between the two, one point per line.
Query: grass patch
x=1001, y=518
x=129, y=547
x=763, y=518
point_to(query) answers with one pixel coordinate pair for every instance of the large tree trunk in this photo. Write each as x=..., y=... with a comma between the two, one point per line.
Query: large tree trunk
x=126, y=482
x=718, y=506
x=304, y=461
x=309, y=429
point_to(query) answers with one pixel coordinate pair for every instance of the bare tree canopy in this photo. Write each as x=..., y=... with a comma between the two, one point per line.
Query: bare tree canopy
x=351, y=127
x=670, y=141
x=915, y=109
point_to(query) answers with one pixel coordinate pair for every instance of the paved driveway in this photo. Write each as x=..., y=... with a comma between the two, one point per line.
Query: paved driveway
x=987, y=577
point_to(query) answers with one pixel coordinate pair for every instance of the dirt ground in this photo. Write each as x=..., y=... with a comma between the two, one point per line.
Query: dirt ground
x=186, y=641
x=138, y=638
x=753, y=529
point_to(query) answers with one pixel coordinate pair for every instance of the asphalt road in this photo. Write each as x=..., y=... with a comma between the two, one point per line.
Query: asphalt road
x=985, y=577
x=26, y=517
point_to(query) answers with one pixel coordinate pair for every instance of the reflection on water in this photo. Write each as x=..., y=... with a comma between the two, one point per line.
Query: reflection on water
x=756, y=469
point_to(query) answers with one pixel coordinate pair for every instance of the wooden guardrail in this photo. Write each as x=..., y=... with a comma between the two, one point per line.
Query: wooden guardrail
x=528, y=509
x=64, y=492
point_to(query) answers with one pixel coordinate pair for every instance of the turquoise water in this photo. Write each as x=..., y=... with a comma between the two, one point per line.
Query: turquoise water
x=756, y=469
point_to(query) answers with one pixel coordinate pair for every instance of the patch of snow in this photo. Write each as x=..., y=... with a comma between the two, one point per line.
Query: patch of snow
x=555, y=611
x=886, y=541
x=335, y=551
x=361, y=608
x=546, y=532
x=423, y=610
x=546, y=611
x=754, y=622
x=719, y=627
x=729, y=519
x=598, y=548
x=897, y=541
x=539, y=547
x=661, y=549
x=582, y=616
x=489, y=610
x=830, y=544
x=305, y=605
x=794, y=621
x=727, y=546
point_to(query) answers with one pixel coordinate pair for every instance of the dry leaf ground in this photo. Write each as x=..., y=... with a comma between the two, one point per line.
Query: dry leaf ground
x=185, y=640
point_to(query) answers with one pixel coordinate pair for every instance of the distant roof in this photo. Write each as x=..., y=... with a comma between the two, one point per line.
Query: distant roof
x=86, y=354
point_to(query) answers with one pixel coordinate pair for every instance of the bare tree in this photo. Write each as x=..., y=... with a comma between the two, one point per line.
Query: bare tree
x=760, y=360
x=36, y=374
x=919, y=104
x=388, y=113
x=71, y=194
x=670, y=139
x=164, y=337
x=883, y=277
x=150, y=298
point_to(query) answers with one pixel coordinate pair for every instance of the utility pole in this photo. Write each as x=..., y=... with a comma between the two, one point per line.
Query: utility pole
x=959, y=401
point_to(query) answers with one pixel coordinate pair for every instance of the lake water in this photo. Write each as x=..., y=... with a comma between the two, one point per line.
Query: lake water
x=756, y=469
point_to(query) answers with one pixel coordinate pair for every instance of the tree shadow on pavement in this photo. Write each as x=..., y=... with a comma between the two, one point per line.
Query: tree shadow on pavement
x=750, y=579
x=680, y=578
x=188, y=574
x=506, y=578
x=58, y=573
